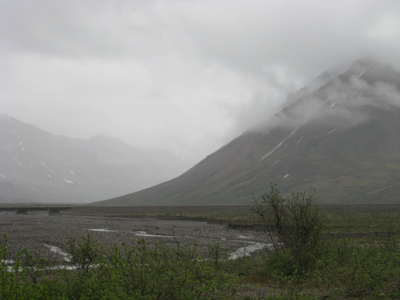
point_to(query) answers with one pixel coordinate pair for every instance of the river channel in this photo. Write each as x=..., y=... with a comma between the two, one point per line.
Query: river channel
x=47, y=234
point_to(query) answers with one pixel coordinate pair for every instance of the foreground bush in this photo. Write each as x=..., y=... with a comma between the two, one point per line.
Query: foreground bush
x=332, y=267
x=14, y=280
x=351, y=269
x=137, y=272
x=294, y=225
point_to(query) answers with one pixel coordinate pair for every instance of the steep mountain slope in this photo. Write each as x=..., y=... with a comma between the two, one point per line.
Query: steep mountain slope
x=342, y=138
x=36, y=166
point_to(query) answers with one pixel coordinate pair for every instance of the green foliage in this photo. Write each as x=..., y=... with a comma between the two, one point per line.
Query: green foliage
x=83, y=254
x=217, y=254
x=8, y=277
x=331, y=266
x=338, y=268
x=14, y=283
x=294, y=225
x=292, y=296
x=360, y=270
x=136, y=272
x=34, y=265
x=164, y=273
x=362, y=218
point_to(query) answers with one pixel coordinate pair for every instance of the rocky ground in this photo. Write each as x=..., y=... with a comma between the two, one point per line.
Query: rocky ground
x=38, y=231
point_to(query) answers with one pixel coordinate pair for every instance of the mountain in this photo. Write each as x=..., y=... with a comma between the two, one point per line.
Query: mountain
x=341, y=138
x=36, y=166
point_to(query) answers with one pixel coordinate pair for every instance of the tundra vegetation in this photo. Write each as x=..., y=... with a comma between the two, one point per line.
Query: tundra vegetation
x=316, y=253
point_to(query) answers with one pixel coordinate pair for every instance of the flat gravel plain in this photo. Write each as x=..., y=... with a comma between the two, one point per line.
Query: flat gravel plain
x=39, y=232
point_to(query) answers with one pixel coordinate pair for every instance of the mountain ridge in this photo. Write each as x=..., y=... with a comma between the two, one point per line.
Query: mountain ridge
x=37, y=166
x=341, y=138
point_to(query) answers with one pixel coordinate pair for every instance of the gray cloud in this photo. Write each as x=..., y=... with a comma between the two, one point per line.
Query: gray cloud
x=345, y=101
x=182, y=75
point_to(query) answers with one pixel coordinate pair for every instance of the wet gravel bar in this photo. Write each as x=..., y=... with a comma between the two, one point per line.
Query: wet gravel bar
x=36, y=230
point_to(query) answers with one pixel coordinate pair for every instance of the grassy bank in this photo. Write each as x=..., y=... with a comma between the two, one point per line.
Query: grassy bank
x=339, y=218
x=358, y=257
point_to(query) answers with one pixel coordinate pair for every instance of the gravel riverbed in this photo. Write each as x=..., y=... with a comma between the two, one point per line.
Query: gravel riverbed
x=34, y=231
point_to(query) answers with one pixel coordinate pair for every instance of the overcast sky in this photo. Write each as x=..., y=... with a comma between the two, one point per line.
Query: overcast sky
x=187, y=76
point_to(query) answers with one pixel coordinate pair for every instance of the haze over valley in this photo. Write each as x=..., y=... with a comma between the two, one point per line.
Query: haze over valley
x=339, y=134
x=37, y=166
x=198, y=102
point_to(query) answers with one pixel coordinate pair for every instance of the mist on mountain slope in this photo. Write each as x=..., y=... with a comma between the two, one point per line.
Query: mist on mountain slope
x=343, y=101
x=341, y=139
x=186, y=76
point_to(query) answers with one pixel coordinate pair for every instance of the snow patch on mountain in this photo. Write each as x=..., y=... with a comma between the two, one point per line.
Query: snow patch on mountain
x=280, y=144
x=299, y=140
x=332, y=131
x=47, y=168
x=362, y=72
x=22, y=146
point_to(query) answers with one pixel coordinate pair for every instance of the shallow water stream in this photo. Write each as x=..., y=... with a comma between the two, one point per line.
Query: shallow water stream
x=48, y=235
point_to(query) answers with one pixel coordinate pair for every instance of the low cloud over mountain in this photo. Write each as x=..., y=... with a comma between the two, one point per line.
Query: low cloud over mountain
x=340, y=137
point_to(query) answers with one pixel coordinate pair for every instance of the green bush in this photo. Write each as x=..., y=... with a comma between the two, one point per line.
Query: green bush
x=294, y=225
x=83, y=254
x=137, y=272
x=217, y=254
x=360, y=270
x=15, y=282
x=34, y=266
x=163, y=272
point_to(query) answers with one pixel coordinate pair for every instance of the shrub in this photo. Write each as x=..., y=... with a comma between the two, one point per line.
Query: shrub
x=360, y=270
x=163, y=272
x=84, y=253
x=136, y=272
x=294, y=225
x=13, y=279
x=34, y=266
x=217, y=254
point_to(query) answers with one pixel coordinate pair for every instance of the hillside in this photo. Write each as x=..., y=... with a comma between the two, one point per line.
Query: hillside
x=342, y=138
x=37, y=166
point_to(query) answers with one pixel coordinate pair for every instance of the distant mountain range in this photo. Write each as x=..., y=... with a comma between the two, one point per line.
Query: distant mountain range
x=340, y=135
x=36, y=166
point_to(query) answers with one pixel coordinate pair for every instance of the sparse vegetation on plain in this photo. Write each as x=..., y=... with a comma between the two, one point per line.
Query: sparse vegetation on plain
x=124, y=272
x=309, y=263
x=323, y=252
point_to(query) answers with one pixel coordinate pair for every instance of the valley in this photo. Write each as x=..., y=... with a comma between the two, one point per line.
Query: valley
x=227, y=234
x=234, y=227
x=37, y=231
